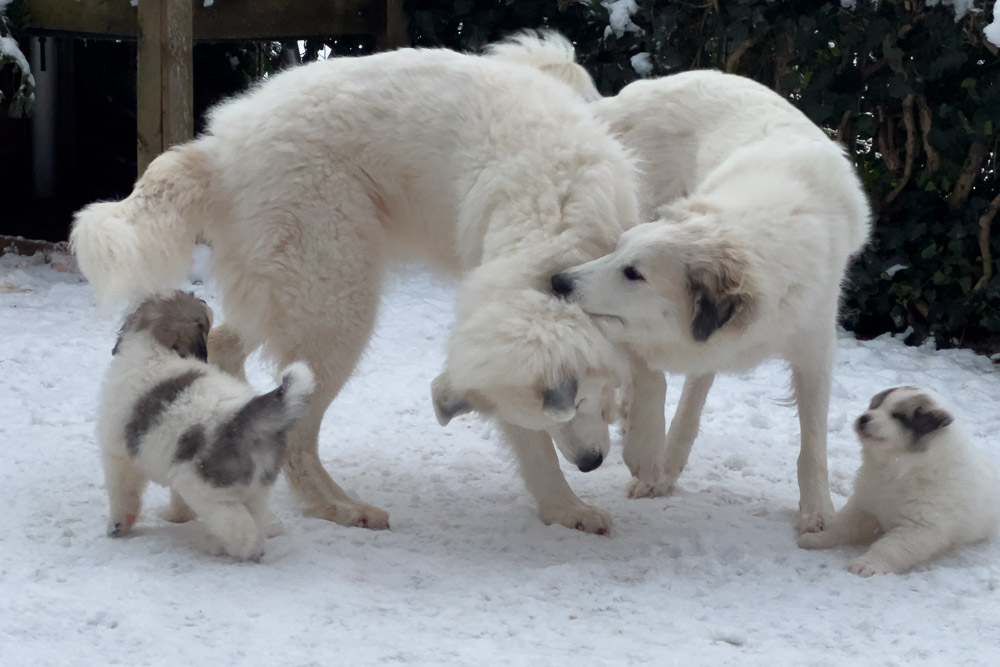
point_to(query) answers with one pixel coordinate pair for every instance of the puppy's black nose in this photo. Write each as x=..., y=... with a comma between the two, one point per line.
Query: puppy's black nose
x=864, y=419
x=562, y=285
x=591, y=463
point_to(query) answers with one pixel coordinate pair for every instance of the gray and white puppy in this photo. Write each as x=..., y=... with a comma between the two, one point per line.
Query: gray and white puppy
x=167, y=415
x=922, y=488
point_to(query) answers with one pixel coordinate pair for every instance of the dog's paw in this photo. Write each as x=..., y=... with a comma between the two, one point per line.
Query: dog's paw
x=661, y=487
x=358, y=515
x=273, y=527
x=867, y=566
x=814, y=541
x=120, y=526
x=584, y=518
x=813, y=522
x=177, y=511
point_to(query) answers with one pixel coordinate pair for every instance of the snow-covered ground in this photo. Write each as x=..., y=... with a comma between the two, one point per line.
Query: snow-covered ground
x=467, y=575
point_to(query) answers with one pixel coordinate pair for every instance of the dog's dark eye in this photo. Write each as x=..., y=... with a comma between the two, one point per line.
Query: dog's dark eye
x=631, y=273
x=899, y=416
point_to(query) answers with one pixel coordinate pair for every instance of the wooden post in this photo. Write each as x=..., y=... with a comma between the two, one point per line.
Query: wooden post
x=164, y=81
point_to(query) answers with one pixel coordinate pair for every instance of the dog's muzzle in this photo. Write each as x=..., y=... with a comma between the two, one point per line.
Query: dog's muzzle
x=590, y=463
x=562, y=285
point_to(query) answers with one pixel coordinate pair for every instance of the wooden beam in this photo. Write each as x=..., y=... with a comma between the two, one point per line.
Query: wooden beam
x=164, y=81
x=223, y=20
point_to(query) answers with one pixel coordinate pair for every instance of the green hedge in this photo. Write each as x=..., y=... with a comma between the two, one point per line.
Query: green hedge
x=910, y=90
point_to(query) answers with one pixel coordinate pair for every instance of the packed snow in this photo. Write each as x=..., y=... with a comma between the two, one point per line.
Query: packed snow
x=468, y=575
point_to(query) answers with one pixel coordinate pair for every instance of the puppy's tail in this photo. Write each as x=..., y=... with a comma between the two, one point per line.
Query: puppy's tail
x=278, y=409
x=550, y=52
x=143, y=244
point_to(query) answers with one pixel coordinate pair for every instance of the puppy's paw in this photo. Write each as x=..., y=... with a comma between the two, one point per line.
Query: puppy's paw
x=867, y=566
x=177, y=511
x=585, y=518
x=273, y=527
x=120, y=526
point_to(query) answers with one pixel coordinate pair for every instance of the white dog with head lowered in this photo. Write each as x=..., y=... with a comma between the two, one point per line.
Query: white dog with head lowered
x=166, y=414
x=757, y=214
x=922, y=488
x=309, y=184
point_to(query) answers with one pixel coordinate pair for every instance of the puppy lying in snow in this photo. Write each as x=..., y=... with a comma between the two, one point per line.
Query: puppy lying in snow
x=165, y=414
x=922, y=487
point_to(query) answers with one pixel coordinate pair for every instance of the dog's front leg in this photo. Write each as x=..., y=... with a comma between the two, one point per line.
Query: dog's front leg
x=681, y=436
x=899, y=550
x=811, y=381
x=539, y=466
x=644, y=440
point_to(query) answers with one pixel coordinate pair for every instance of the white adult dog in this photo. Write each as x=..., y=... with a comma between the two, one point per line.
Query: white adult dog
x=308, y=185
x=166, y=414
x=922, y=488
x=757, y=213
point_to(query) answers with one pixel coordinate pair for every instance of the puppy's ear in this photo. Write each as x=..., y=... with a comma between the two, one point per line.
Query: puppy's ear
x=926, y=420
x=448, y=404
x=716, y=282
x=559, y=403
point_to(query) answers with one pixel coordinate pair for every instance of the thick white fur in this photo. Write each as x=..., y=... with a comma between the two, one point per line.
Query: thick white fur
x=308, y=185
x=237, y=514
x=745, y=190
x=914, y=497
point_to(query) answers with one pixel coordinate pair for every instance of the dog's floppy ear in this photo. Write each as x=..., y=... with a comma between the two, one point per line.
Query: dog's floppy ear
x=716, y=283
x=448, y=404
x=926, y=420
x=559, y=403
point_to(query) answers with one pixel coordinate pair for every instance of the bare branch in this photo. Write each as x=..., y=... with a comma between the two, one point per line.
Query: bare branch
x=911, y=147
x=967, y=177
x=926, y=119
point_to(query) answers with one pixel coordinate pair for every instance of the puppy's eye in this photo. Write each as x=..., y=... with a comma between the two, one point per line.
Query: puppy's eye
x=631, y=273
x=899, y=416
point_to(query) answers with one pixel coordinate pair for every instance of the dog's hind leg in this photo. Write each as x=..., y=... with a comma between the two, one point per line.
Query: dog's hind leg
x=267, y=522
x=177, y=511
x=540, y=469
x=125, y=484
x=811, y=373
x=680, y=437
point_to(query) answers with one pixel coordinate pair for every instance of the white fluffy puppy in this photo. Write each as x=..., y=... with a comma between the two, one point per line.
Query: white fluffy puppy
x=167, y=415
x=922, y=487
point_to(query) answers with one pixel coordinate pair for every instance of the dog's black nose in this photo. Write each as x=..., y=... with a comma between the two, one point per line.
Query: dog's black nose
x=864, y=419
x=591, y=463
x=562, y=285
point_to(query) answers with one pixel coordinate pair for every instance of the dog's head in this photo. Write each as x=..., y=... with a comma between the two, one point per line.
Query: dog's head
x=661, y=282
x=178, y=321
x=534, y=361
x=902, y=419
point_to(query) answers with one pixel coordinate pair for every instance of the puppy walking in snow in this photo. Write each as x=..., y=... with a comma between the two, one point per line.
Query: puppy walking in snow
x=922, y=487
x=167, y=415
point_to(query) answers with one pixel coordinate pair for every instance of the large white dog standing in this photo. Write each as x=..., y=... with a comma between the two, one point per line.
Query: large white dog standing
x=757, y=213
x=306, y=186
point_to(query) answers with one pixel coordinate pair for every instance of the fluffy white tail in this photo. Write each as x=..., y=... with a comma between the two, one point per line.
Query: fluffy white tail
x=143, y=244
x=549, y=52
x=297, y=385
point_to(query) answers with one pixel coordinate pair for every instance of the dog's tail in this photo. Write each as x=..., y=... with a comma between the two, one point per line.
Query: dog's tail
x=143, y=244
x=550, y=52
x=278, y=409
